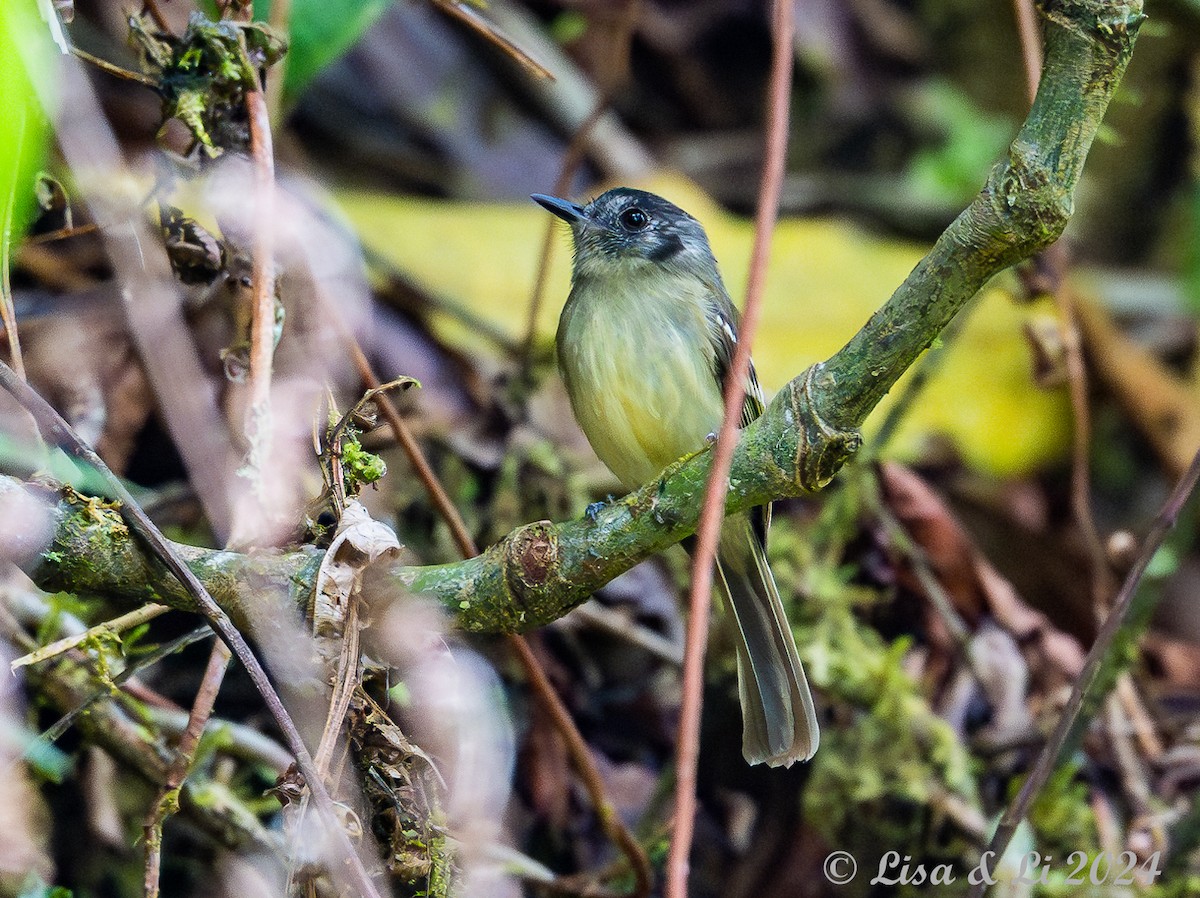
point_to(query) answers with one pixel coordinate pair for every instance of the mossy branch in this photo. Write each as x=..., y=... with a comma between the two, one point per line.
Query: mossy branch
x=120, y=728
x=540, y=571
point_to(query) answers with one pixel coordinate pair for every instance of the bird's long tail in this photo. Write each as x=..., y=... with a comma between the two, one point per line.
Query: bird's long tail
x=779, y=722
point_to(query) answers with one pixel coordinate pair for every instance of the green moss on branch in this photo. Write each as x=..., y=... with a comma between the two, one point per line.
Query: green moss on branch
x=92, y=550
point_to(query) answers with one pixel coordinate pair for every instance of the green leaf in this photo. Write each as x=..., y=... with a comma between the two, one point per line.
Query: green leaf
x=972, y=140
x=319, y=31
x=27, y=58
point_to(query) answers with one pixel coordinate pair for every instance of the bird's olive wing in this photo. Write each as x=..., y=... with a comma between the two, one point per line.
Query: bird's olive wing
x=725, y=336
x=724, y=333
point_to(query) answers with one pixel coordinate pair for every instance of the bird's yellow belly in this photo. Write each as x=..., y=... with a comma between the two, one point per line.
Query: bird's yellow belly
x=645, y=395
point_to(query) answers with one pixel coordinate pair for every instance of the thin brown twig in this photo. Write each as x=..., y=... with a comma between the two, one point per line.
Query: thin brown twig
x=167, y=800
x=1019, y=808
x=61, y=234
x=1133, y=777
x=1031, y=44
x=59, y=433
x=115, y=70
x=1140, y=721
x=490, y=33
x=1102, y=581
x=346, y=680
x=943, y=605
x=544, y=691
x=120, y=624
x=151, y=7
x=408, y=443
x=585, y=766
x=262, y=324
x=1055, y=257
x=712, y=512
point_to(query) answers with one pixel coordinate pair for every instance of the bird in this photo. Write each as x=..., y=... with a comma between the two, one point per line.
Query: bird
x=645, y=344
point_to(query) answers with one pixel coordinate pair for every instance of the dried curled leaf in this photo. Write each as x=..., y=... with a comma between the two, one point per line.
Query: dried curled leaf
x=197, y=257
x=359, y=542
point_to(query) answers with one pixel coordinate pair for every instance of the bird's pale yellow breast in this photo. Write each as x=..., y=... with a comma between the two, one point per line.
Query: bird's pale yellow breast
x=634, y=350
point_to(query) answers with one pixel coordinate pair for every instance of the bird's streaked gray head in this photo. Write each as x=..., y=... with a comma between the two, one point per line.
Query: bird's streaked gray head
x=624, y=229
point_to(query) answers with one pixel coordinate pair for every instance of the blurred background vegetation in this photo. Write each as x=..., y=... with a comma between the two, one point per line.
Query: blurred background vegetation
x=408, y=136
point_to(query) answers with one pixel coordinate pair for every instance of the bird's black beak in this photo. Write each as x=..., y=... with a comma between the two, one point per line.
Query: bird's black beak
x=572, y=213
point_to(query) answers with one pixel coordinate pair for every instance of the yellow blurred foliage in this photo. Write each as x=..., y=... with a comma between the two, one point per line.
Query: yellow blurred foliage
x=826, y=278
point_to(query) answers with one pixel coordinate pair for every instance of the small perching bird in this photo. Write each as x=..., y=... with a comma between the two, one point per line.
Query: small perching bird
x=645, y=343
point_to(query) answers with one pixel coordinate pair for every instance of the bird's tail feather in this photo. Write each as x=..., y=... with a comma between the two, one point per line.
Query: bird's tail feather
x=779, y=722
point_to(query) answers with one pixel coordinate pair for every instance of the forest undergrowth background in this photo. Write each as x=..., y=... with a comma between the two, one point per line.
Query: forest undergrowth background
x=278, y=266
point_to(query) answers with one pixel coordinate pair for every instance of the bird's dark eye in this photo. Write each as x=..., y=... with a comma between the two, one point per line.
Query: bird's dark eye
x=634, y=219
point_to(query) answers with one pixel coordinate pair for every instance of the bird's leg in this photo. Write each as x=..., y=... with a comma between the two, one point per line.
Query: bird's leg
x=596, y=507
